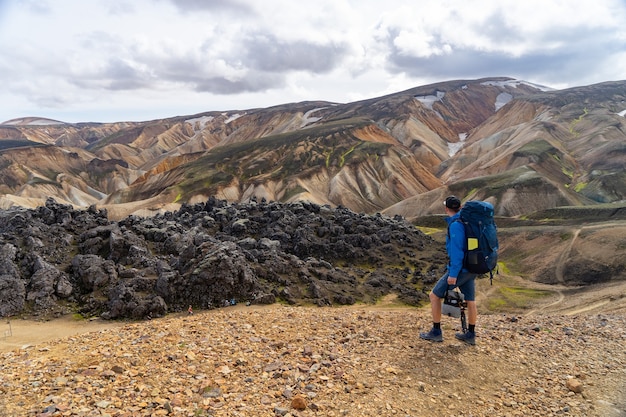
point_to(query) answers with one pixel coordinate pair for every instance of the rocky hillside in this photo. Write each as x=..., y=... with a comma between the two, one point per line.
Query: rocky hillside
x=304, y=362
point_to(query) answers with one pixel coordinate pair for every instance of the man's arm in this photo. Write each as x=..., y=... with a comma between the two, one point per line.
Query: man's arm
x=456, y=250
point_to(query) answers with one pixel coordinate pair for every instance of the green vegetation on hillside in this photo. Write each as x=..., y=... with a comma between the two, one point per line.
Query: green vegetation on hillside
x=124, y=136
x=331, y=146
x=511, y=299
x=6, y=144
x=576, y=121
x=537, y=148
x=498, y=183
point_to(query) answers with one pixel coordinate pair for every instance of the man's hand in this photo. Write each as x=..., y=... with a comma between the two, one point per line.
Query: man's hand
x=451, y=280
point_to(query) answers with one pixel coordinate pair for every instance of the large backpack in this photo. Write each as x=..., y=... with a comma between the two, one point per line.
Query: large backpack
x=481, y=239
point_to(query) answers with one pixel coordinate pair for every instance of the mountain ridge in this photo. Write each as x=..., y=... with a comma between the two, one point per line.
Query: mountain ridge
x=495, y=125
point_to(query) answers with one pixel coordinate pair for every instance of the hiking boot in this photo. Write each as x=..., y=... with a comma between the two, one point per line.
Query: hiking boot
x=434, y=335
x=467, y=337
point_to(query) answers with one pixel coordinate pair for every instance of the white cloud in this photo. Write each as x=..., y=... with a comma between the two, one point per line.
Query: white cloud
x=132, y=60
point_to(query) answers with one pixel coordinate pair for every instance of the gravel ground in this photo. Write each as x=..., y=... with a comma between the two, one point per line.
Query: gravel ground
x=300, y=361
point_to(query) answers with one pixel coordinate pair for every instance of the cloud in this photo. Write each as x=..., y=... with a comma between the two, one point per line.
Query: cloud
x=548, y=62
x=221, y=85
x=268, y=53
x=201, y=55
x=115, y=74
x=543, y=45
x=191, y=6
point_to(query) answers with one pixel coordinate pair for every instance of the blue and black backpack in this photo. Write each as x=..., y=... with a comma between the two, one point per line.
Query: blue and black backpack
x=481, y=239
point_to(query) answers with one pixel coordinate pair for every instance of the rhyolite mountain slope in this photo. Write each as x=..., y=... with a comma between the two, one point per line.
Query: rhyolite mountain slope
x=556, y=148
x=518, y=143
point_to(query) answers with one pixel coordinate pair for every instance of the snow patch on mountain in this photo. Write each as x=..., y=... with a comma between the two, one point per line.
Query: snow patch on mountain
x=453, y=148
x=502, y=99
x=233, y=118
x=308, y=119
x=199, y=123
x=428, y=101
x=515, y=84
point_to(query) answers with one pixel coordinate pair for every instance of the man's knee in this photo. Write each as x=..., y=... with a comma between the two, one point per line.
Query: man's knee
x=434, y=297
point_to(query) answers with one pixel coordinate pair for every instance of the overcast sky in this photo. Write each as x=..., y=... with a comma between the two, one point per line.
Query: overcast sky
x=135, y=60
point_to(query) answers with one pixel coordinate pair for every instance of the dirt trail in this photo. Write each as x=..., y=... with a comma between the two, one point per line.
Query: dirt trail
x=15, y=334
x=567, y=300
x=560, y=266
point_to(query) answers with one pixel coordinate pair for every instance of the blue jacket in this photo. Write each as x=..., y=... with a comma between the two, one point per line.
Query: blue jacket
x=455, y=245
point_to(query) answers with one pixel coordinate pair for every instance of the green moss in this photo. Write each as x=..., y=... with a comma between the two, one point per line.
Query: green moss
x=496, y=304
x=428, y=230
x=471, y=192
x=580, y=186
x=294, y=191
x=537, y=148
x=342, y=159
x=503, y=268
x=20, y=143
x=510, y=299
x=43, y=181
x=576, y=121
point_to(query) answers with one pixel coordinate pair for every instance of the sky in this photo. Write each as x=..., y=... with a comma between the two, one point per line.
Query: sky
x=138, y=60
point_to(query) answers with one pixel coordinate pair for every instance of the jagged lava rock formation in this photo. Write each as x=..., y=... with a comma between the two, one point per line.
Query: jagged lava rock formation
x=55, y=259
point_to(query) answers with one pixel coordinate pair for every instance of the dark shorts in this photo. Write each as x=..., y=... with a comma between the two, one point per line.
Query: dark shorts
x=466, y=282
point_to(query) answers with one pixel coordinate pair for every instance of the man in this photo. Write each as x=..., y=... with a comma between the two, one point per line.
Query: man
x=455, y=276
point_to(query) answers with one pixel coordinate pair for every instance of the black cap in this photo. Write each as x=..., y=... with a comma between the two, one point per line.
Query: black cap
x=452, y=203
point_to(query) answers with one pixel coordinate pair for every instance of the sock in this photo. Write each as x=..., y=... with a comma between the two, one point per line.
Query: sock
x=437, y=326
x=471, y=328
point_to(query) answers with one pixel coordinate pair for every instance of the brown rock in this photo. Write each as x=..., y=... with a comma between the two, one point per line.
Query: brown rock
x=574, y=385
x=298, y=402
x=117, y=369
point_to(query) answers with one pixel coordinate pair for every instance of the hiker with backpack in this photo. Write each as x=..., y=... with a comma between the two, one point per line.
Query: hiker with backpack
x=456, y=275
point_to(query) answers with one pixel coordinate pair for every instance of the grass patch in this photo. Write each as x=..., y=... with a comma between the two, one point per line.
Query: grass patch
x=537, y=149
x=293, y=192
x=503, y=268
x=43, y=181
x=511, y=299
x=428, y=230
x=580, y=186
x=576, y=121
x=342, y=159
x=389, y=301
x=6, y=144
